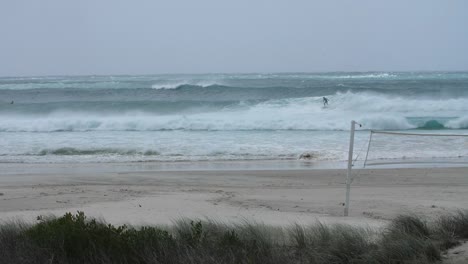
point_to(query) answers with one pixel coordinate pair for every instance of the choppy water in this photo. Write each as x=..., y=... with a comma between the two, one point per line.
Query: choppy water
x=227, y=116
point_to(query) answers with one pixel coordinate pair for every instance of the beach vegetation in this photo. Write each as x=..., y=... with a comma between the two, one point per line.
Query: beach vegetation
x=75, y=238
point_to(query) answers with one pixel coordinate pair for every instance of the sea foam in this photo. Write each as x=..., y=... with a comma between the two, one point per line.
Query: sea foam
x=372, y=110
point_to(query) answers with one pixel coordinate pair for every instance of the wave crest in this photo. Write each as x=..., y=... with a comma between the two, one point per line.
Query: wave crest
x=178, y=84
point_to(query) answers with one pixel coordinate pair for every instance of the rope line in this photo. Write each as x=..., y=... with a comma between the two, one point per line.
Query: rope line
x=357, y=156
x=418, y=134
x=368, y=148
x=359, y=153
x=416, y=162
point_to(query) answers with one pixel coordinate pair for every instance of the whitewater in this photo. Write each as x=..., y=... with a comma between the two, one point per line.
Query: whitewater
x=224, y=117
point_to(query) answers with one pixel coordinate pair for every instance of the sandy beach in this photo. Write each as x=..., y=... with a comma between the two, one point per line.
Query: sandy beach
x=134, y=194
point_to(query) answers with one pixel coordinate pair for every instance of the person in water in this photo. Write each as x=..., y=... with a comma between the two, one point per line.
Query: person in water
x=325, y=101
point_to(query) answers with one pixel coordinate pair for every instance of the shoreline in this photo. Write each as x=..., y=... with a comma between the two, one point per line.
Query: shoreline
x=228, y=165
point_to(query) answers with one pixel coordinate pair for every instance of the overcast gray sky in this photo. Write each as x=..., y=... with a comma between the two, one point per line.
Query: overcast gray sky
x=61, y=37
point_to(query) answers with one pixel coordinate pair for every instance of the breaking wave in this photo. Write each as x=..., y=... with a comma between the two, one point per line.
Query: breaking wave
x=374, y=111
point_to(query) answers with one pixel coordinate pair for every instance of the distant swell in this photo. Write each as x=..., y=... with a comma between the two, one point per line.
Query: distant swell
x=174, y=85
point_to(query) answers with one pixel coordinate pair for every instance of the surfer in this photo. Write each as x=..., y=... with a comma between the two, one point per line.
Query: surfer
x=325, y=101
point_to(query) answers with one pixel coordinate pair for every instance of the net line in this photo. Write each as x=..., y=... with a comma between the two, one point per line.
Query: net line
x=354, y=162
x=405, y=134
x=418, y=134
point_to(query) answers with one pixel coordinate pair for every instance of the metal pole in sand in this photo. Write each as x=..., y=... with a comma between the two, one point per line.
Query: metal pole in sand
x=350, y=165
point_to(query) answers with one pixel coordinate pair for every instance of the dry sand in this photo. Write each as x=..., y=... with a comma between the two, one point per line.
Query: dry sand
x=134, y=195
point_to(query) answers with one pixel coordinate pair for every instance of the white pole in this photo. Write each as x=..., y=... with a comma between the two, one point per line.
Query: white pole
x=350, y=165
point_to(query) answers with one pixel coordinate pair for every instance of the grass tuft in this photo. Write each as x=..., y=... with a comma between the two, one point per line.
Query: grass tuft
x=456, y=224
x=449, y=229
x=410, y=225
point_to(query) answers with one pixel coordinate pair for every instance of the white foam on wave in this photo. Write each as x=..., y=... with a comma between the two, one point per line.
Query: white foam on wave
x=166, y=146
x=458, y=123
x=372, y=110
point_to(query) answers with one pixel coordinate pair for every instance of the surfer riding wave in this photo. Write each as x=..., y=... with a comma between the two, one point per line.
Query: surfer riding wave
x=325, y=101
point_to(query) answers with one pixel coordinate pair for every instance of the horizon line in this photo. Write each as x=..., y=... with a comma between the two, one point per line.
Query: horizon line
x=232, y=73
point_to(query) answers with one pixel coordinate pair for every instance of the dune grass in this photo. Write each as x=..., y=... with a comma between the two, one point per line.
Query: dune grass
x=73, y=238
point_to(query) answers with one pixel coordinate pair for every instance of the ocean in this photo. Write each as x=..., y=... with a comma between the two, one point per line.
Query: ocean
x=230, y=117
